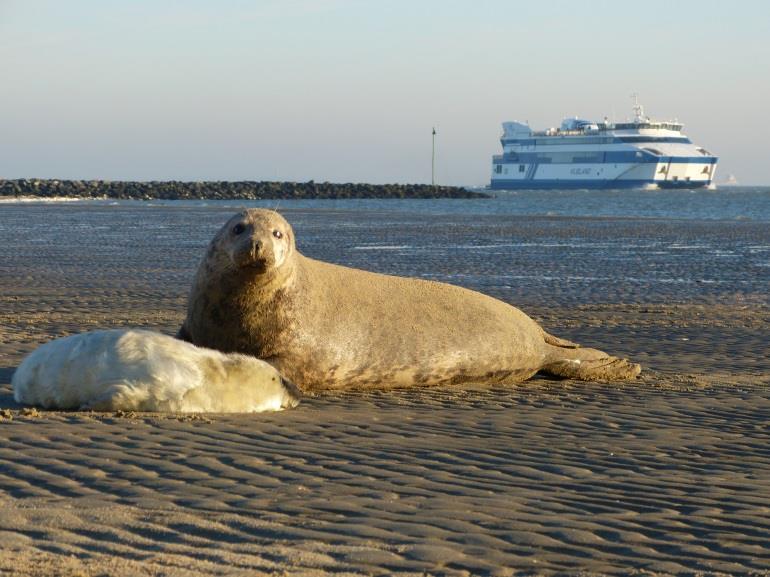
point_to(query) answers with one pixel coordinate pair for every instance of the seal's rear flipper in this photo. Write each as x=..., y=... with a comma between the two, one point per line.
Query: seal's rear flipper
x=602, y=369
x=557, y=342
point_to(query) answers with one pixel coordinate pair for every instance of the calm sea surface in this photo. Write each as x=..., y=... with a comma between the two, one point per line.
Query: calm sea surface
x=528, y=247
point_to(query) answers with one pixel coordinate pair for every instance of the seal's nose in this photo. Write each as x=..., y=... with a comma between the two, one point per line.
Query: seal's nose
x=256, y=245
x=292, y=396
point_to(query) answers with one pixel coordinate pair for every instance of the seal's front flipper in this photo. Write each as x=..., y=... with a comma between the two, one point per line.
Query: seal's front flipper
x=599, y=369
x=117, y=396
x=183, y=334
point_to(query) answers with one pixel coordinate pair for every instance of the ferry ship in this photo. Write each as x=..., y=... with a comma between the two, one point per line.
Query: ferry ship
x=641, y=153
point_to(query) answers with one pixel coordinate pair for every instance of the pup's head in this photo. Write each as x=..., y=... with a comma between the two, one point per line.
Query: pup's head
x=259, y=386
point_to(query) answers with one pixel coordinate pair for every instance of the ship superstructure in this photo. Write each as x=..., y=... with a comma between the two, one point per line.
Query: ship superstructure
x=640, y=153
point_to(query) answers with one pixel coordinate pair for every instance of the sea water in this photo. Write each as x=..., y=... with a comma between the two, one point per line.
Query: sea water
x=528, y=247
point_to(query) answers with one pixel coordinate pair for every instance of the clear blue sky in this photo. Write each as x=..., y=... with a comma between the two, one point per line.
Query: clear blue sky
x=348, y=90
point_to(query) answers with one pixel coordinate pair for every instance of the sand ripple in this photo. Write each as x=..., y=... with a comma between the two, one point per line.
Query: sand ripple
x=666, y=475
x=553, y=478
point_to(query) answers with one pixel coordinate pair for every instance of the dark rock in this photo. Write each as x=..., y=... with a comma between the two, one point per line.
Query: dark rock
x=176, y=190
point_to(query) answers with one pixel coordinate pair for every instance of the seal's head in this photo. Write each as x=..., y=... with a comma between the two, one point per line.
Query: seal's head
x=252, y=385
x=256, y=240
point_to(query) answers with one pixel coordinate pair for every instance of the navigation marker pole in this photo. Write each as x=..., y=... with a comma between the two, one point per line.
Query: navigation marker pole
x=433, y=160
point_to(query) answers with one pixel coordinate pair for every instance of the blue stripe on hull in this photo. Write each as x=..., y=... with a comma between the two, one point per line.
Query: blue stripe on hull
x=588, y=140
x=598, y=157
x=500, y=184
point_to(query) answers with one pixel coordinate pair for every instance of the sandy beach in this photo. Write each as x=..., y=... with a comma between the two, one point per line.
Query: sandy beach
x=666, y=475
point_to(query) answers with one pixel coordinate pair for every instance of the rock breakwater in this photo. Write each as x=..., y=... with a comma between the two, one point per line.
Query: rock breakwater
x=223, y=190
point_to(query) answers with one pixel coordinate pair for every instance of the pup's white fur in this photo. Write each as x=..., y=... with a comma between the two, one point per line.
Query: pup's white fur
x=146, y=371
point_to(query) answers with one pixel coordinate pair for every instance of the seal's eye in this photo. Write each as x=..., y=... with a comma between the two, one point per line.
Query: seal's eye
x=238, y=228
x=277, y=234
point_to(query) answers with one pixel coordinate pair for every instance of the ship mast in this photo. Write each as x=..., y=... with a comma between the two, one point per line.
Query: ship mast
x=638, y=109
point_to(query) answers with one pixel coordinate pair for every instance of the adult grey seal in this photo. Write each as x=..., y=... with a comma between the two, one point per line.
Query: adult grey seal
x=138, y=370
x=326, y=326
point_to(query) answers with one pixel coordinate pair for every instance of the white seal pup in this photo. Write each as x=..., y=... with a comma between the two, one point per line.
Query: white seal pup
x=328, y=326
x=142, y=370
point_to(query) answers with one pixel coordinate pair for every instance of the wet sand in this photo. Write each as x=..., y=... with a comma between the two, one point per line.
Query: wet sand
x=669, y=474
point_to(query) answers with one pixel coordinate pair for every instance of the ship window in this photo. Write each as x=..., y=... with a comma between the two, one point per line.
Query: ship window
x=498, y=168
x=593, y=157
x=521, y=168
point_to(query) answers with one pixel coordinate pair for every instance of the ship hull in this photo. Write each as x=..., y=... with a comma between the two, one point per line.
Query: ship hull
x=594, y=184
x=669, y=173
